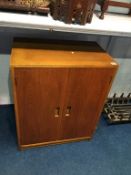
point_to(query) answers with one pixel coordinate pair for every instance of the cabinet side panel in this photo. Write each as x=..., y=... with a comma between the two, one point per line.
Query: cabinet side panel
x=39, y=95
x=15, y=103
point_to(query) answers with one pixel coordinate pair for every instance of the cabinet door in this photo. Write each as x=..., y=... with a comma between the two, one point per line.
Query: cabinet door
x=85, y=96
x=39, y=101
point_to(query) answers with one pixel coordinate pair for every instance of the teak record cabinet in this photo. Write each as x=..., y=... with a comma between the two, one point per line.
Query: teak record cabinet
x=59, y=93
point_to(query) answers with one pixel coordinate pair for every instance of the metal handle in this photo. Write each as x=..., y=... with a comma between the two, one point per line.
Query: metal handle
x=68, y=111
x=57, y=112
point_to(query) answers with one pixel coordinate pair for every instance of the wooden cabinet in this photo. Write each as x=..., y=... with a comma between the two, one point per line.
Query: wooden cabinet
x=59, y=94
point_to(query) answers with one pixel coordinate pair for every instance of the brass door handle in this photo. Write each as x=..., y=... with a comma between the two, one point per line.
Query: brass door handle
x=68, y=111
x=57, y=112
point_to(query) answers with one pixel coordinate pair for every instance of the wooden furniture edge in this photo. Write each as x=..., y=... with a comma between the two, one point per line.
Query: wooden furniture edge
x=108, y=90
x=23, y=147
x=15, y=102
x=68, y=66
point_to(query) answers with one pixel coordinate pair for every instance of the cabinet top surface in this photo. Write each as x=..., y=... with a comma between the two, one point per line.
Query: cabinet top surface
x=76, y=54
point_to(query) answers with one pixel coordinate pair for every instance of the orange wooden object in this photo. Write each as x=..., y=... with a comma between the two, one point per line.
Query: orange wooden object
x=59, y=93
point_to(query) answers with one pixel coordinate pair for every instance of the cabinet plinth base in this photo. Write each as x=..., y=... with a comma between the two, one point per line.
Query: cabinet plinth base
x=23, y=147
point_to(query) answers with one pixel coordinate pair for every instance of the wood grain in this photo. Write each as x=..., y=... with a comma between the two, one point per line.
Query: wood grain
x=39, y=93
x=48, y=58
x=59, y=95
x=85, y=94
x=60, y=55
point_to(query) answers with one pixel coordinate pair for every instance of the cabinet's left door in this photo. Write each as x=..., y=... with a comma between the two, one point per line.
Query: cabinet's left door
x=39, y=95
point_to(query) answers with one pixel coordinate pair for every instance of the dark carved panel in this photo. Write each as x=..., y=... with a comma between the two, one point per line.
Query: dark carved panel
x=77, y=11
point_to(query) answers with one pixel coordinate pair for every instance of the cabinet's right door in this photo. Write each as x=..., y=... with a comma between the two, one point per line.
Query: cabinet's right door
x=86, y=93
